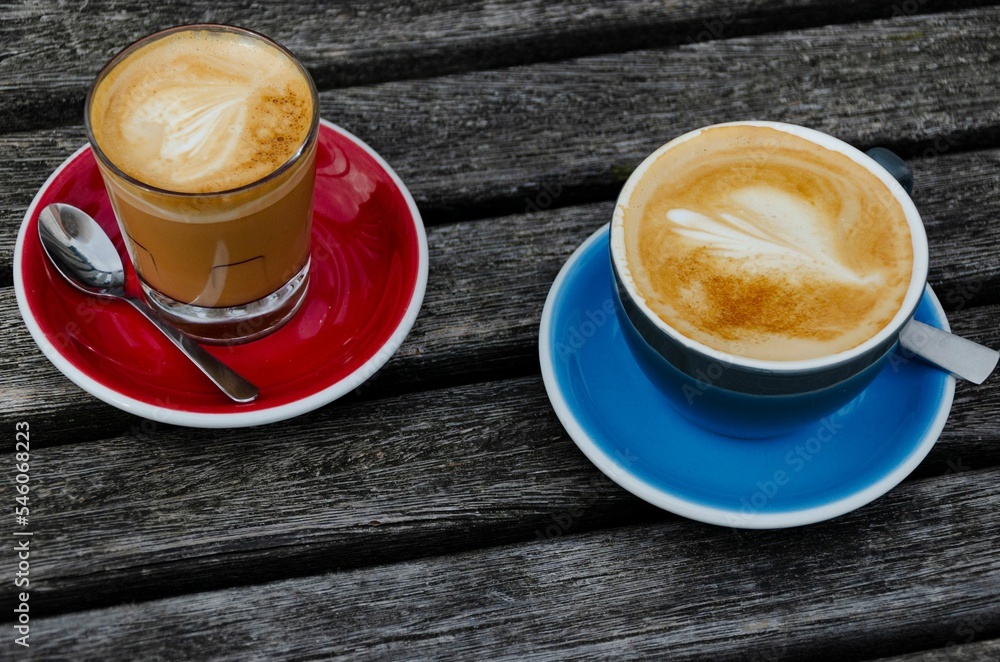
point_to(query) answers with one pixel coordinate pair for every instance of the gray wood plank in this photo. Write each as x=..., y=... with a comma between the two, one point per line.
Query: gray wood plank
x=488, y=282
x=414, y=480
x=164, y=511
x=960, y=221
x=491, y=142
x=52, y=50
x=916, y=569
x=415, y=475
x=964, y=648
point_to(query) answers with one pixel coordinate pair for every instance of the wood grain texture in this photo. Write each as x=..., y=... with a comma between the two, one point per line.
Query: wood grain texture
x=479, y=321
x=164, y=511
x=953, y=192
x=441, y=510
x=916, y=569
x=493, y=142
x=975, y=651
x=178, y=510
x=53, y=50
x=488, y=281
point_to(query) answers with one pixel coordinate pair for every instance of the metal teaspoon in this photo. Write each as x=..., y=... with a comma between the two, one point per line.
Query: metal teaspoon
x=961, y=357
x=81, y=251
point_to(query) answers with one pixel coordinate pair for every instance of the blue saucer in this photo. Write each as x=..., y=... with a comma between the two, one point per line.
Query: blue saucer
x=626, y=427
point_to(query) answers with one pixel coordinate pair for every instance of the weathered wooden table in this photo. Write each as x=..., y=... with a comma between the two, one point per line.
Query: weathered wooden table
x=441, y=509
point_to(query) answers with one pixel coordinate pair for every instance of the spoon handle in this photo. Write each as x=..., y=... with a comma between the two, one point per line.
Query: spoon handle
x=963, y=358
x=221, y=375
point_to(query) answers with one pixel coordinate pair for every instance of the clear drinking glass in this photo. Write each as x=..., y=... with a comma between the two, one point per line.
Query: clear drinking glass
x=211, y=173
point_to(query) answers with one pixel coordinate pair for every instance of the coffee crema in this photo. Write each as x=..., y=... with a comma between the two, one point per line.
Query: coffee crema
x=219, y=128
x=762, y=244
x=202, y=111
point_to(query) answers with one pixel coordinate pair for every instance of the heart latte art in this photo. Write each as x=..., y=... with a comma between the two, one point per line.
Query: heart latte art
x=762, y=244
x=218, y=127
x=200, y=112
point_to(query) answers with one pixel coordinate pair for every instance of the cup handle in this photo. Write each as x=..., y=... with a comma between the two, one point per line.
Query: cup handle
x=963, y=358
x=894, y=165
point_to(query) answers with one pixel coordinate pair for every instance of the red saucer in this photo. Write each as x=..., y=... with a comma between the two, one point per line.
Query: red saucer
x=367, y=281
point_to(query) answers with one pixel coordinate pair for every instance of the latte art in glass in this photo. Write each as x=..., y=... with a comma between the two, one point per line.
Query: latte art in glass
x=201, y=112
x=762, y=244
x=206, y=138
x=198, y=127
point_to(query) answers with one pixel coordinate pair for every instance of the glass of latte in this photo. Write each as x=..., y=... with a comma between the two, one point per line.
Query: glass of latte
x=763, y=272
x=205, y=136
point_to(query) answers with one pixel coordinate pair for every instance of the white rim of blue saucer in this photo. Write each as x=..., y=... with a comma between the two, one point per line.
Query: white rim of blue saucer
x=701, y=512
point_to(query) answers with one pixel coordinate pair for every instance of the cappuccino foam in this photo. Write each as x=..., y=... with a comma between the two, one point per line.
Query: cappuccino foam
x=762, y=244
x=202, y=111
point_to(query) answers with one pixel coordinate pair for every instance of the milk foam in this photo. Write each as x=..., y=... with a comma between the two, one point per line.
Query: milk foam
x=762, y=244
x=202, y=111
x=771, y=230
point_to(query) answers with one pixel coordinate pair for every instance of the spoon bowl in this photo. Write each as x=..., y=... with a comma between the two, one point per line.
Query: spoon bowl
x=81, y=251
x=85, y=256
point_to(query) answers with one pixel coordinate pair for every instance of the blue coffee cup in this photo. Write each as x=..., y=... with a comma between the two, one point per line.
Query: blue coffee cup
x=755, y=398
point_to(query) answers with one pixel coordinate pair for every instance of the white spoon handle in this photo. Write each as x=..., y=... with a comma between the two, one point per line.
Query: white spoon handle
x=963, y=358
